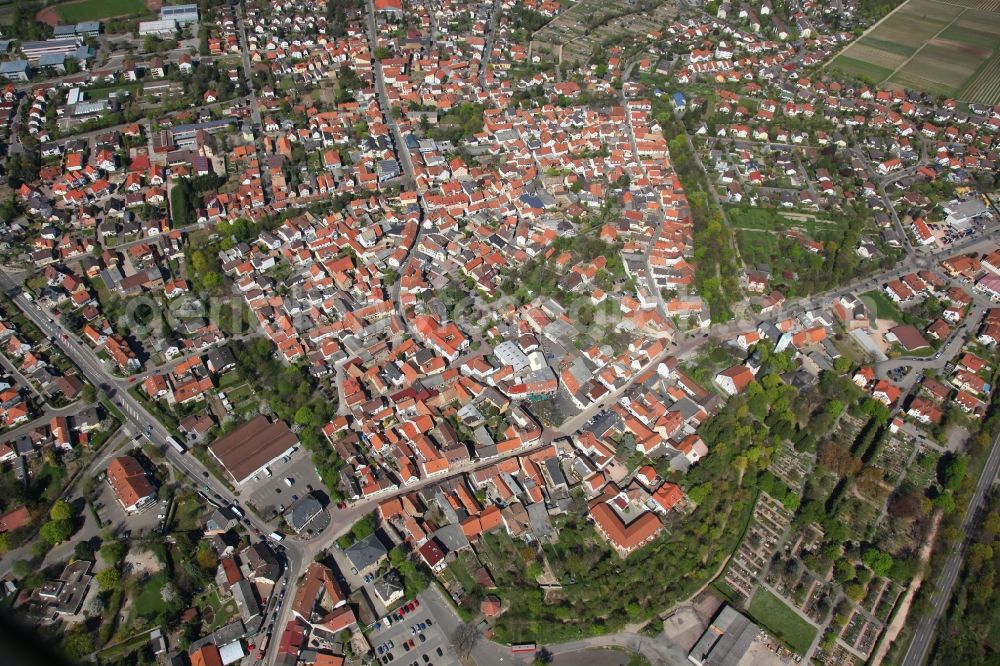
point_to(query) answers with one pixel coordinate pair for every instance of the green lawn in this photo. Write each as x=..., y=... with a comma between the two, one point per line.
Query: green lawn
x=756, y=246
x=187, y=515
x=92, y=10
x=882, y=306
x=752, y=217
x=229, y=379
x=776, y=616
x=213, y=609
x=239, y=393
x=460, y=570
x=919, y=353
x=103, y=295
x=48, y=483
x=149, y=603
x=123, y=648
x=104, y=93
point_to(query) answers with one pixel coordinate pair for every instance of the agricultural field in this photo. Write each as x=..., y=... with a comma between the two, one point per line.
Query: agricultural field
x=942, y=47
x=93, y=10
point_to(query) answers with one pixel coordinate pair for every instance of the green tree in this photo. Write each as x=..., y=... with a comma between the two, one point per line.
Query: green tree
x=206, y=559
x=843, y=571
x=109, y=578
x=83, y=551
x=855, y=591
x=112, y=552
x=21, y=568
x=953, y=472
x=945, y=502
x=700, y=493
x=56, y=531
x=878, y=561
x=77, y=644
x=38, y=549
x=303, y=416
x=61, y=510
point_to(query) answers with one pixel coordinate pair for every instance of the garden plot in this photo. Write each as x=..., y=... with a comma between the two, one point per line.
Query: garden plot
x=892, y=457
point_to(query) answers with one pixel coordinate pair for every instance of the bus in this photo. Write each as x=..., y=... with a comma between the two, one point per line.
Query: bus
x=177, y=445
x=262, y=646
x=523, y=648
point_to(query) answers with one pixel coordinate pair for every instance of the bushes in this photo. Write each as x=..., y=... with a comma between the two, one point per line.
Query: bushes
x=459, y=123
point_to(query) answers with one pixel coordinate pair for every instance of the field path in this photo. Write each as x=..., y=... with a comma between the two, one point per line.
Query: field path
x=926, y=42
x=903, y=608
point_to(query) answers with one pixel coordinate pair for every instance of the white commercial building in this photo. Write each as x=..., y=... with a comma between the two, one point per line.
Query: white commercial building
x=164, y=28
x=183, y=14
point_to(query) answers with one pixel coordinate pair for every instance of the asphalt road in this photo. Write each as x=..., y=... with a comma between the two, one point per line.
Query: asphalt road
x=70, y=493
x=138, y=420
x=258, y=124
x=297, y=552
x=383, y=97
x=926, y=628
x=485, y=652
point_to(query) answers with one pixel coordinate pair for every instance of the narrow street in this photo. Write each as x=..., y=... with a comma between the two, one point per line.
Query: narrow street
x=258, y=123
x=661, y=305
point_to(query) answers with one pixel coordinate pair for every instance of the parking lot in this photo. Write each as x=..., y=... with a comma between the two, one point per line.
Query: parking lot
x=271, y=495
x=429, y=645
x=145, y=521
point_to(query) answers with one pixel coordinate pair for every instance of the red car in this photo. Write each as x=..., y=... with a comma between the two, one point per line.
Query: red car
x=416, y=603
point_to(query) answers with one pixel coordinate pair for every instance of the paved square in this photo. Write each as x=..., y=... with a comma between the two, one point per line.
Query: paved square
x=272, y=495
x=423, y=653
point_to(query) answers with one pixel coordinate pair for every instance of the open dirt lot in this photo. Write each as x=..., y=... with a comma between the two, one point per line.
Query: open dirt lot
x=142, y=561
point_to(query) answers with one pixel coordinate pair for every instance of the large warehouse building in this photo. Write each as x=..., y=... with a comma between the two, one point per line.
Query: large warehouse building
x=246, y=451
